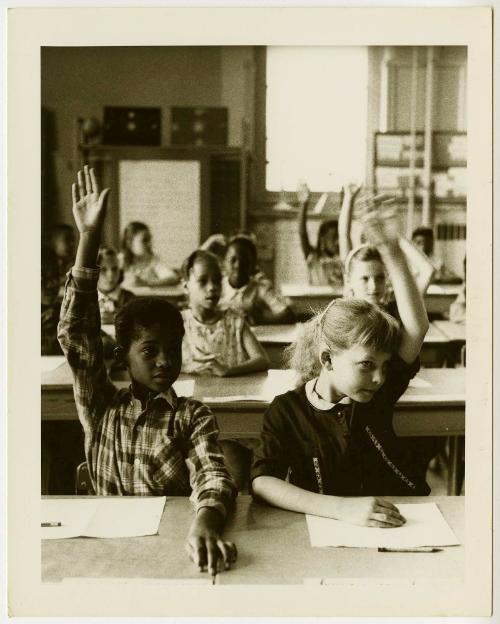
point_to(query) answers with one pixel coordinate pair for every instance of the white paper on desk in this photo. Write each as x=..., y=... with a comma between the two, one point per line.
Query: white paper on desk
x=425, y=526
x=258, y=398
x=111, y=516
x=418, y=382
x=146, y=582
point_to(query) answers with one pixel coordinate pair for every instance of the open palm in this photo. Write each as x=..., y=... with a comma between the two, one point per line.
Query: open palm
x=89, y=205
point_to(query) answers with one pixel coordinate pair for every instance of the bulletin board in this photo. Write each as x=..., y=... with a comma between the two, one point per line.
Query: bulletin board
x=166, y=195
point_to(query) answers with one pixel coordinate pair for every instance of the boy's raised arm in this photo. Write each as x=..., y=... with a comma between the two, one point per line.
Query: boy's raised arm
x=80, y=324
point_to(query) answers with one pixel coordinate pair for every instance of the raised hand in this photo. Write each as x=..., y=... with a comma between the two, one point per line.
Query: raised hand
x=303, y=193
x=89, y=205
x=380, y=221
x=370, y=511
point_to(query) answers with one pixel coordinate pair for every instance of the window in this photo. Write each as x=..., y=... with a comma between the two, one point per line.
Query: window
x=316, y=116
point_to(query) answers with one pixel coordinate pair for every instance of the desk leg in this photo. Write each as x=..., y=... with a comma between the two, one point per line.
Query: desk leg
x=455, y=471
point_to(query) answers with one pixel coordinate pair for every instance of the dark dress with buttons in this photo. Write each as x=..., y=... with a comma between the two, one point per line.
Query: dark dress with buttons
x=348, y=450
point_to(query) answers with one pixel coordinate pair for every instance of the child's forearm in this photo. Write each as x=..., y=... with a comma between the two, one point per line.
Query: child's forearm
x=287, y=496
x=304, y=238
x=253, y=365
x=408, y=298
x=345, y=222
x=88, y=248
x=422, y=264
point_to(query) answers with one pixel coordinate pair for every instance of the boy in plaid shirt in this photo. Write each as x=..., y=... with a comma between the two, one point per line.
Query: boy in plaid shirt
x=143, y=440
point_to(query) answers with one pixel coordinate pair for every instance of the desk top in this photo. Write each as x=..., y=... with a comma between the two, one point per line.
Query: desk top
x=273, y=546
x=452, y=331
x=286, y=334
x=447, y=386
x=175, y=292
x=306, y=290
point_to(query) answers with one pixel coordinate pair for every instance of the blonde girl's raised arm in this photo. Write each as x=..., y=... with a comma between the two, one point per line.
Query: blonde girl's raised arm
x=421, y=265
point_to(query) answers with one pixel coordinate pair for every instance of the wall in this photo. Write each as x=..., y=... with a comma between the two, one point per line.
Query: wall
x=79, y=82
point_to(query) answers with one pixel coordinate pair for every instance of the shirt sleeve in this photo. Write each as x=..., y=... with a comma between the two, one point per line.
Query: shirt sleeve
x=398, y=377
x=79, y=334
x=211, y=483
x=270, y=458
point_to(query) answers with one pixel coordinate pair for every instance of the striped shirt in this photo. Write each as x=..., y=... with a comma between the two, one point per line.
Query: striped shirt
x=166, y=447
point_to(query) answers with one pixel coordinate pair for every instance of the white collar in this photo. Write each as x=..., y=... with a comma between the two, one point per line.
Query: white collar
x=316, y=401
x=113, y=295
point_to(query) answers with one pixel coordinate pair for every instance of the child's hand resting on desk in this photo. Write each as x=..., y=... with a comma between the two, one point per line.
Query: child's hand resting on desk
x=89, y=205
x=369, y=511
x=205, y=546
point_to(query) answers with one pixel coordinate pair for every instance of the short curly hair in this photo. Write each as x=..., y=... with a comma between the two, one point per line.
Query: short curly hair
x=143, y=313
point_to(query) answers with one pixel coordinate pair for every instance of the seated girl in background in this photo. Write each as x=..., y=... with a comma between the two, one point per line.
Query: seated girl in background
x=365, y=276
x=141, y=266
x=216, y=244
x=328, y=447
x=324, y=265
x=247, y=291
x=216, y=342
x=110, y=294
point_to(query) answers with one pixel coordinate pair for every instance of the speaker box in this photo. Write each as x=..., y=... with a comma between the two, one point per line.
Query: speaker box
x=131, y=126
x=199, y=126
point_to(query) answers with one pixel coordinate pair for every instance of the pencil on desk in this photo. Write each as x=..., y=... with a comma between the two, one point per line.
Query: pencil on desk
x=51, y=524
x=423, y=549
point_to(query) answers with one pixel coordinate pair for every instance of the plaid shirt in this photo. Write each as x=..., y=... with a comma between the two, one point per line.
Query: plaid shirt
x=167, y=447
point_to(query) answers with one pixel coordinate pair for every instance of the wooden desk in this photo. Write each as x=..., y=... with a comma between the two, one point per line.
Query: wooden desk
x=304, y=297
x=438, y=410
x=273, y=547
x=274, y=339
x=174, y=294
x=435, y=410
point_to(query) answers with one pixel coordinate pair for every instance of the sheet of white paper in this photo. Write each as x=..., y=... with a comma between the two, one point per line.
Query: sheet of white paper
x=109, y=329
x=418, y=382
x=85, y=580
x=425, y=526
x=51, y=362
x=184, y=387
x=120, y=516
x=235, y=398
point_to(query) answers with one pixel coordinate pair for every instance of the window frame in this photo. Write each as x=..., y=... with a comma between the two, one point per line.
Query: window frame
x=262, y=198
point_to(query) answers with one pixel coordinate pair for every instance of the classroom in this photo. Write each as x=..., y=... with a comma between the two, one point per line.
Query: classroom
x=294, y=222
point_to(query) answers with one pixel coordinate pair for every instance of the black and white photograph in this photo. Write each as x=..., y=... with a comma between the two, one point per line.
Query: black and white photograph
x=254, y=317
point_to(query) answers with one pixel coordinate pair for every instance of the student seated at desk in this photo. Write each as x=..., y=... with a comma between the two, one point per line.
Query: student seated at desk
x=216, y=244
x=143, y=440
x=141, y=266
x=63, y=243
x=328, y=448
x=249, y=292
x=216, y=342
x=324, y=264
x=111, y=295
x=420, y=266
x=423, y=238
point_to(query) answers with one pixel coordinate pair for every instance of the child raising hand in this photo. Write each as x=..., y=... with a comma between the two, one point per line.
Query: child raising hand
x=328, y=447
x=150, y=459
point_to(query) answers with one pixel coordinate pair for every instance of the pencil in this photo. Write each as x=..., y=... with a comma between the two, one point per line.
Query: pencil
x=51, y=524
x=422, y=549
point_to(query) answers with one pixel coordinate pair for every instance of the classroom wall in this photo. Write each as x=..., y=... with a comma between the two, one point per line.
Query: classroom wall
x=79, y=82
